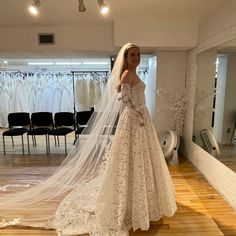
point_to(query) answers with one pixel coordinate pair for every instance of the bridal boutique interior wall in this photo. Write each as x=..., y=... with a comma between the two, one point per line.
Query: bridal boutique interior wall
x=79, y=38
x=171, y=68
x=144, y=32
x=156, y=32
x=220, y=27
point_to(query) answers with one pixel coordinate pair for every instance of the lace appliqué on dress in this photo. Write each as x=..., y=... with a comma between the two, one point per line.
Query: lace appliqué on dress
x=126, y=99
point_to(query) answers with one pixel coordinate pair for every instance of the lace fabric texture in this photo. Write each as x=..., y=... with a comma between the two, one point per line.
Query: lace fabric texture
x=133, y=186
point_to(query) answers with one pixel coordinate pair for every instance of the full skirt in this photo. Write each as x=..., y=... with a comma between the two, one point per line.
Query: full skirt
x=132, y=188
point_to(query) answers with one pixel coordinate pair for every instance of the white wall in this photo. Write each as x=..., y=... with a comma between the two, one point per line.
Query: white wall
x=171, y=68
x=219, y=28
x=74, y=39
x=155, y=32
x=144, y=32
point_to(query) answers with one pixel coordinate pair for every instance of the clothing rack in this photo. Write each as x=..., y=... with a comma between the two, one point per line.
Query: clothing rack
x=24, y=73
x=94, y=72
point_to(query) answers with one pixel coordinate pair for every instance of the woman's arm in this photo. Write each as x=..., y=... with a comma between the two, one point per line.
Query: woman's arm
x=126, y=80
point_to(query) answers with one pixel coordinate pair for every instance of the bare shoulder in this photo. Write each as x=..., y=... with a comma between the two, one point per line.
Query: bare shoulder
x=127, y=77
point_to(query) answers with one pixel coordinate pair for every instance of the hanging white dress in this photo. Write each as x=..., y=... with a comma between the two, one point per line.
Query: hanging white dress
x=98, y=92
x=91, y=92
x=20, y=98
x=46, y=99
x=80, y=94
x=32, y=95
x=135, y=187
x=57, y=97
x=5, y=101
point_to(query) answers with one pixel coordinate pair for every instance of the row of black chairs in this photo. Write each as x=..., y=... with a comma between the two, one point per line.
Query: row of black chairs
x=42, y=123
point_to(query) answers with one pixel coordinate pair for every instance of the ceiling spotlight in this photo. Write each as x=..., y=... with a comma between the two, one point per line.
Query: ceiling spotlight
x=103, y=7
x=34, y=7
x=81, y=7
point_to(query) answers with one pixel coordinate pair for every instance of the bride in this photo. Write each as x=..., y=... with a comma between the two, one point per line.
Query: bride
x=107, y=184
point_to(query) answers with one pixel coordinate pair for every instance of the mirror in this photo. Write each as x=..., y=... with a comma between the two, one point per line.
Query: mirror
x=215, y=103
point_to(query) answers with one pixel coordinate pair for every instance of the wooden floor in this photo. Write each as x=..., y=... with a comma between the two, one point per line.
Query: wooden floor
x=201, y=210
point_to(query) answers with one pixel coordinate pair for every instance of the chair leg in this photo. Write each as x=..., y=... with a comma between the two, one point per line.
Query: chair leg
x=22, y=141
x=12, y=141
x=65, y=146
x=34, y=140
x=55, y=140
x=48, y=144
x=46, y=137
x=58, y=141
x=4, y=148
x=28, y=144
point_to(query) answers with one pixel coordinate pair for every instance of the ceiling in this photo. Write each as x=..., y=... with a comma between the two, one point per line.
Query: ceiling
x=13, y=13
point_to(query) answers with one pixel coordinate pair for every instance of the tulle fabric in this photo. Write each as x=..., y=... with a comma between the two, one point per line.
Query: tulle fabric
x=37, y=206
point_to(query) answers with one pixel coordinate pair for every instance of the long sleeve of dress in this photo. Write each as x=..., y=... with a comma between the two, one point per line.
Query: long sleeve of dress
x=126, y=99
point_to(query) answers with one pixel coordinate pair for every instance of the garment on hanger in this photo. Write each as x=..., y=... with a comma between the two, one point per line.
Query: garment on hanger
x=45, y=91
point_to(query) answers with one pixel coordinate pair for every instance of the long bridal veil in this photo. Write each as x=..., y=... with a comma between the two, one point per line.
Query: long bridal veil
x=36, y=206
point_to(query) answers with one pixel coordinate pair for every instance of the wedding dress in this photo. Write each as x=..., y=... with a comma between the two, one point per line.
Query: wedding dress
x=107, y=184
x=135, y=187
x=19, y=100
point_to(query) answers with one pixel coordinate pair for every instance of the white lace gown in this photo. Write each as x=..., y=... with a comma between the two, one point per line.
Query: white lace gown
x=135, y=187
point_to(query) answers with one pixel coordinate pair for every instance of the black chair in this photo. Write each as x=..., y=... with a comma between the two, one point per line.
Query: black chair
x=82, y=118
x=41, y=124
x=19, y=124
x=64, y=123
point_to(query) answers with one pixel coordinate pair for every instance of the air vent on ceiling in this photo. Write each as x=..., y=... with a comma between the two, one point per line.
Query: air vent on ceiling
x=46, y=38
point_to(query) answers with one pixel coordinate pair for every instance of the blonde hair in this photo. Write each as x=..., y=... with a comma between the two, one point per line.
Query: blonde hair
x=124, y=67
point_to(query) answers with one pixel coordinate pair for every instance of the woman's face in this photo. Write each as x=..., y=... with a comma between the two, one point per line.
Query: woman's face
x=133, y=57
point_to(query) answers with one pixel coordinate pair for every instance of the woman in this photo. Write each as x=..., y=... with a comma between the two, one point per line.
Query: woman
x=136, y=187
x=106, y=186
